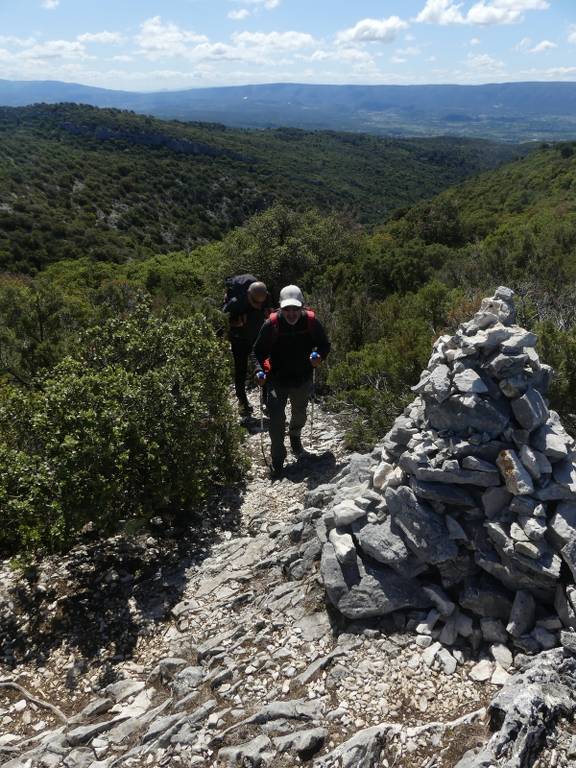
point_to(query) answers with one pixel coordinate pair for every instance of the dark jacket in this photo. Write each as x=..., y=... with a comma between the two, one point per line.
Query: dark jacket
x=245, y=320
x=288, y=349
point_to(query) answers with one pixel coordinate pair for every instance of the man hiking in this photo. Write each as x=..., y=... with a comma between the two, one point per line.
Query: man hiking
x=248, y=305
x=291, y=343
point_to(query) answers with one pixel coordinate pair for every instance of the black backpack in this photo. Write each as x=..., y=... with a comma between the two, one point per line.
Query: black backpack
x=237, y=287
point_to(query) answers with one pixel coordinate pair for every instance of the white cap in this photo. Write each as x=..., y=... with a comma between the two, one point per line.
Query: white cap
x=291, y=296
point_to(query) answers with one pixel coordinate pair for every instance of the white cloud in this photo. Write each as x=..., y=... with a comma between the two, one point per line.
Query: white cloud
x=411, y=50
x=285, y=41
x=553, y=73
x=321, y=55
x=524, y=44
x=475, y=41
x=238, y=15
x=157, y=39
x=398, y=60
x=485, y=63
x=54, y=49
x=522, y=5
x=214, y=52
x=122, y=57
x=545, y=45
x=269, y=5
x=100, y=37
x=373, y=30
x=355, y=56
x=20, y=42
x=440, y=12
x=572, y=34
x=560, y=71
x=49, y=5
x=483, y=12
x=352, y=55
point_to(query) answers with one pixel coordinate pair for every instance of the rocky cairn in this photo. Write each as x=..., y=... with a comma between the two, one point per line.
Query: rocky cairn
x=468, y=528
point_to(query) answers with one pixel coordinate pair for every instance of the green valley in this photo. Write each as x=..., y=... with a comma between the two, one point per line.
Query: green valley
x=113, y=186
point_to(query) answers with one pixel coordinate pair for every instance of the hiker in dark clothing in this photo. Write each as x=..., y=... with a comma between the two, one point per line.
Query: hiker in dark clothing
x=290, y=345
x=247, y=313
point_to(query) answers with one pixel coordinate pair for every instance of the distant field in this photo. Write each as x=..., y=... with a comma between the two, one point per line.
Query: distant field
x=504, y=112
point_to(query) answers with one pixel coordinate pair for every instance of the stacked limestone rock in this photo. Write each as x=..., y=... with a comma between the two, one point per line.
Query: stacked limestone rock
x=471, y=520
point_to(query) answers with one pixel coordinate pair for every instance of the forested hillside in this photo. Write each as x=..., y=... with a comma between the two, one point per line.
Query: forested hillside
x=101, y=353
x=113, y=186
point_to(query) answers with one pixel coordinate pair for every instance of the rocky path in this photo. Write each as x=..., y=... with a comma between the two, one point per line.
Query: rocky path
x=158, y=649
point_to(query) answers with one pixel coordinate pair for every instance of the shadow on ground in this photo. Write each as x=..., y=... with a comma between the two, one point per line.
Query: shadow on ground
x=313, y=469
x=97, y=600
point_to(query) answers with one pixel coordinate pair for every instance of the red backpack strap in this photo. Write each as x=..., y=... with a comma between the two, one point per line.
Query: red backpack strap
x=311, y=317
x=274, y=320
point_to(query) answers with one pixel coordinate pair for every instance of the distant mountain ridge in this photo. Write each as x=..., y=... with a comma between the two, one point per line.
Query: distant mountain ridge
x=505, y=111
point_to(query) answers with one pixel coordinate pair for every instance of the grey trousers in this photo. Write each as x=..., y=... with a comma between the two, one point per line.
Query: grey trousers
x=278, y=396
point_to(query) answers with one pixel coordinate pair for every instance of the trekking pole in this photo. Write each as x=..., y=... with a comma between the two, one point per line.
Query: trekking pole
x=313, y=356
x=261, y=376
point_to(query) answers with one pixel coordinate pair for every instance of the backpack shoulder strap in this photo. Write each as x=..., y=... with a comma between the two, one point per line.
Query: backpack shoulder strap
x=274, y=319
x=311, y=318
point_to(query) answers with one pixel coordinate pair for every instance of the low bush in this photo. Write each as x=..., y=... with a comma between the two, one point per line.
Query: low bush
x=137, y=423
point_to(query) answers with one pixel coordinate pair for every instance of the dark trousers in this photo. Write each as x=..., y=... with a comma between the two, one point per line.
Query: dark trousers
x=241, y=352
x=277, y=399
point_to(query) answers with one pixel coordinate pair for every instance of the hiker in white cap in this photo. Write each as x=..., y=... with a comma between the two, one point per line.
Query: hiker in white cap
x=291, y=343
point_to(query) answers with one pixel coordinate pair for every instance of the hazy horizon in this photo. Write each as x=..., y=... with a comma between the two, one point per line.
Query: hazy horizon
x=147, y=47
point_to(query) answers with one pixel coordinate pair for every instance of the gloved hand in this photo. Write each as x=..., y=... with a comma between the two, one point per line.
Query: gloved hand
x=315, y=359
x=260, y=378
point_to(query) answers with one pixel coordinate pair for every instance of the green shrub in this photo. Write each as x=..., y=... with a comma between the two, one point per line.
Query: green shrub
x=376, y=380
x=558, y=348
x=136, y=424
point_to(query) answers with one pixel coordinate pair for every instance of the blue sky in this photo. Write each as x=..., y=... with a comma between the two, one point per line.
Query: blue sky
x=151, y=45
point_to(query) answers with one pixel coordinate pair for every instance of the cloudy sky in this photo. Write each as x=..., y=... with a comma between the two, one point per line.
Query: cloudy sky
x=172, y=44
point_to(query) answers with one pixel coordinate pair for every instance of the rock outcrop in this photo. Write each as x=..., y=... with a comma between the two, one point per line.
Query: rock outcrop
x=469, y=521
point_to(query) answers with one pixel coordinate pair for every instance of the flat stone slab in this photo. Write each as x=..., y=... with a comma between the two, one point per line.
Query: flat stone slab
x=346, y=512
x=551, y=442
x=85, y=733
x=530, y=410
x=469, y=381
x=522, y=614
x=461, y=413
x=444, y=493
x=304, y=743
x=424, y=530
x=563, y=523
x=486, y=601
x=482, y=671
x=503, y=366
x=337, y=579
x=257, y=752
x=564, y=471
x=377, y=596
x=343, y=546
x=383, y=542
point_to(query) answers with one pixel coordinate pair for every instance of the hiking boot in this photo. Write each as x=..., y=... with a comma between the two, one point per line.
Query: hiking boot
x=296, y=445
x=277, y=468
